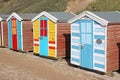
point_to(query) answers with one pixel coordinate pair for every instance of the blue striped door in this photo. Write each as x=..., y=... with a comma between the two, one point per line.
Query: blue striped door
x=43, y=37
x=86, y=42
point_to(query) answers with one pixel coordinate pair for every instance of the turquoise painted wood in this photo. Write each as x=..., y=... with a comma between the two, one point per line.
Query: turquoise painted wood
x=19, y=35
x=9, y=34
x=43, y=37
x=86, y=42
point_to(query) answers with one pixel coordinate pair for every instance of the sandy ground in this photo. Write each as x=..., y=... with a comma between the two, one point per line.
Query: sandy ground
x=19, y=66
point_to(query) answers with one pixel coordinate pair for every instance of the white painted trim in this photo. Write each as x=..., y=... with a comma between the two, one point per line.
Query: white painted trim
x=99, y=33
x=53, y=45
x=90, y=15
x=76, y=31
x=99, y=62
x=99, y=48
x=106, y=49
x=2, y=42
x=75, y=50
x=75, y=44
x=100, y=69
x=36, y=42
x=56, y=40
x=93, y=45
x=77, y=57
x=22, y=35
x=74, y=37
x=75, y=63
x=1, y=18
x=15, y=15
x=44, y=13
x=99, y=55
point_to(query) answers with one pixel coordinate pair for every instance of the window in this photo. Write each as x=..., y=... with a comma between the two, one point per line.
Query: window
x=43, y=27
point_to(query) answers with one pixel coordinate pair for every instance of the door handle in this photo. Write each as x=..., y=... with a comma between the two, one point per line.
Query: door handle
x=82, y=45
x=40, y=38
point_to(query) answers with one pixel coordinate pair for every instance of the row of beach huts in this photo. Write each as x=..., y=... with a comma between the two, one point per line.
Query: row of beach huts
x=90, y=39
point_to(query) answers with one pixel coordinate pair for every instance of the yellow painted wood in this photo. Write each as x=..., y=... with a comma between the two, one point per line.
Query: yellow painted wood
x=51, y=53
x=36, y=29
x=36, y=49
x=36, y=34
x=51, y=37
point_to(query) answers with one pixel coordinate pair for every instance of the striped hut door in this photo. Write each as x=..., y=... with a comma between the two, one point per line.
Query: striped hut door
x=86, y=43
x=14, y=34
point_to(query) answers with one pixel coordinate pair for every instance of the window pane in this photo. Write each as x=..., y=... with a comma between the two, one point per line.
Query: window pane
x=41, y=32
x=45, y=32
x=45, y=24
x=41, y=24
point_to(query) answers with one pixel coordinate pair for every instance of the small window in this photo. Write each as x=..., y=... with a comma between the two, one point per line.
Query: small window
x=99, y=41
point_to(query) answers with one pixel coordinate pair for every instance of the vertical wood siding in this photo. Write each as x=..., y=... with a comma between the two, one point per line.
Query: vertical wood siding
x=27, y=27
x=5, y=34
x=19, y=35
x=113, y=47
x=99, y=49
x=52, y=47
x=75, y=41
x=36, y=36
x=63, y=40
x=9, y=34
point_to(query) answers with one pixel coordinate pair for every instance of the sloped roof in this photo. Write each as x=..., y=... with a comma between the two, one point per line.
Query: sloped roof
x=62, y=16
x=22, y=16
x=111, y=16
x=27, y=16
x=101, y=17
x=4, y=16
x=55, y=16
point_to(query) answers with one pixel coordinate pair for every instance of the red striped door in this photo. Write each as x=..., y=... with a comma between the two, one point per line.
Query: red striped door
x=14, y=34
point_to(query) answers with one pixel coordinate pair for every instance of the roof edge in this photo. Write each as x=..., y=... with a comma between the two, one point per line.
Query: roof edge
x=44, y=13
x=92, y=16
x=15, y=15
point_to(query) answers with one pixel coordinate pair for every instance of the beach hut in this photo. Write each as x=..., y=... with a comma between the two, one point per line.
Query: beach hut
x=95, y=39
x=51, y=34
x=20, y=35
x=3, y=30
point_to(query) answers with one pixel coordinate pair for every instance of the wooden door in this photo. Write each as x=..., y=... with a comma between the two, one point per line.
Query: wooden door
x=14, y=34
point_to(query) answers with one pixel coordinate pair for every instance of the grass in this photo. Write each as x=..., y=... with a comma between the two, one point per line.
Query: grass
x=9, y=6
x=104, y=5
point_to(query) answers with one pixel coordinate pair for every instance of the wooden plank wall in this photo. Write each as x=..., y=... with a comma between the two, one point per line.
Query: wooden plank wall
x=5, y=34
x=27, y=35
x=113, y=47
x=63, y=40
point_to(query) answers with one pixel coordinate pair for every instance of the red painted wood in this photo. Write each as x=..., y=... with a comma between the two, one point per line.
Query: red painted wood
x=50, y=47
x=51, y=42
x=13, y=18
x=36, y=39
x=36, y=44
x=45, y=24
x=14, y=41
